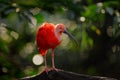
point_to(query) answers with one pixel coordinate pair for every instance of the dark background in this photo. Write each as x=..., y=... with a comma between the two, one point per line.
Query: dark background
x=94, y=23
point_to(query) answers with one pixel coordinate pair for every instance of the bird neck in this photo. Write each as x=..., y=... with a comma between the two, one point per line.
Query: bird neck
x=58, y=34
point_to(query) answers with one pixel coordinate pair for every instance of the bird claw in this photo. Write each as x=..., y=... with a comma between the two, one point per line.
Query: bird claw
x=46, y=70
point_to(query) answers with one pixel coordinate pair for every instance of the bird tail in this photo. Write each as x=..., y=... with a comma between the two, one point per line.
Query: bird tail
x=43, y=51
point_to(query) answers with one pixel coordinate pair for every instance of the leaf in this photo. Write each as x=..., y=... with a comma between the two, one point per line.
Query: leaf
x=29, y=16
x=40, y=18
x=3, y=46
x=110, y=10
x=93, y=28
x=90, y=41
x=84, y=40
x=90, y=11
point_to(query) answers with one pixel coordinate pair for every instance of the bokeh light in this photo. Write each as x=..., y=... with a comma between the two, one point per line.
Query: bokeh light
x=100, y=4
x=103, y=11
x=4, y=34
x=27, y=50
x=82, y=19
x=14, y=34
x=37, y=59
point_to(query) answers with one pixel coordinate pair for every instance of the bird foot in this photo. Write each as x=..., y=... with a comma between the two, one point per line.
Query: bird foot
x=46, y=70
x=55, y=69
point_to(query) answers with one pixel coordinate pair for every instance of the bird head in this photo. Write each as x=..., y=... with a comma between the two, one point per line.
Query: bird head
x=60, y=28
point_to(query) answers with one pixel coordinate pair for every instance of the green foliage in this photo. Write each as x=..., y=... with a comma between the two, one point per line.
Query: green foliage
x=94, y=24
x=3, y=46
x=40, y=18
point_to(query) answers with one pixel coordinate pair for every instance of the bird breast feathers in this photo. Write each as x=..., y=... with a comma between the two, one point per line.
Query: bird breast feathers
x=47, y=37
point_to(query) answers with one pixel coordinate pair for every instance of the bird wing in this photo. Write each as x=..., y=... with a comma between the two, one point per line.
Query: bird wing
x=45, y=36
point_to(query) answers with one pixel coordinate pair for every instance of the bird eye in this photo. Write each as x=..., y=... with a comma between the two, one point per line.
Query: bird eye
x=60, y=27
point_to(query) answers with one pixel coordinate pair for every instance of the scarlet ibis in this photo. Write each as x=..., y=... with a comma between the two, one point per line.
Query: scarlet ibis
x=49, y=37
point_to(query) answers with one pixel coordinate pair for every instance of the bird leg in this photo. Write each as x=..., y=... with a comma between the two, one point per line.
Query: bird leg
x=53, y=62
x=46, y=69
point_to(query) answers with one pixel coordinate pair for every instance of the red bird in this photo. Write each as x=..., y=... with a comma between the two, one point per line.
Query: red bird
x=49, y=37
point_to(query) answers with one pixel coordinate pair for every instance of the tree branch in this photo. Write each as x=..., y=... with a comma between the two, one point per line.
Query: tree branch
x=64, y=75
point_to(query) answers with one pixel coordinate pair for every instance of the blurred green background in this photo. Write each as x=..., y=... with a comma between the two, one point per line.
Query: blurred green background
x=94, y=23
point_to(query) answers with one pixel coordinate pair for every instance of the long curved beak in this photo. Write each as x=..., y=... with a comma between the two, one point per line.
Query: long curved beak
x=71, y=37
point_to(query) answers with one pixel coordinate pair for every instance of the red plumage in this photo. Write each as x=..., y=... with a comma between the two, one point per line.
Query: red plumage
x=46, y=38
x=49, y=37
